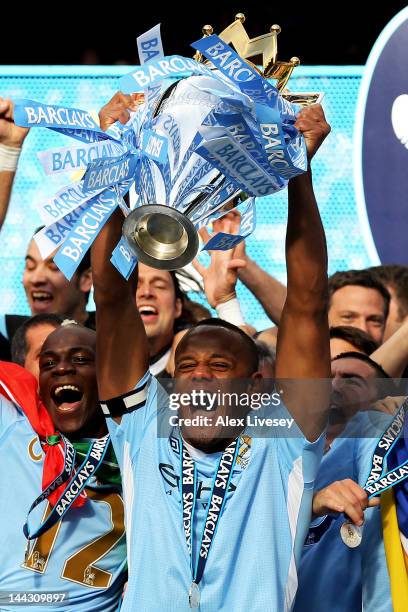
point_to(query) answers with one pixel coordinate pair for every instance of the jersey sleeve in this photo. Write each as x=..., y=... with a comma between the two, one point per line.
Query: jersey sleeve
x=9, y=414
x=141, y=408
x=293, y=448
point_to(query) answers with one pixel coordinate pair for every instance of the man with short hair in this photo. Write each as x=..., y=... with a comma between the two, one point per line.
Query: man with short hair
x=28, y=340
x=344, y=338
x=158, y=297
x=246, y=530
x=395, y=278
x=357, y=383
x=46, y=288
x=359, y=299
x=159, y=301
x=48, y=291
x=331, y=575
x=78, y=550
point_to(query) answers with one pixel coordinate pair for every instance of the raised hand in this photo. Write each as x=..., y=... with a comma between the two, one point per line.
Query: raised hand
x=118, y=107
x=11, y=135
x=311, y=122
x=220, y=278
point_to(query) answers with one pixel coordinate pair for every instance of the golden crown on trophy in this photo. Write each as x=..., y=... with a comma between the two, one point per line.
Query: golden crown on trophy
x=265, y=46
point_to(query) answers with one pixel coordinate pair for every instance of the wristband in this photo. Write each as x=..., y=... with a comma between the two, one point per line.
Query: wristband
x=9, y=158
x=231, y=312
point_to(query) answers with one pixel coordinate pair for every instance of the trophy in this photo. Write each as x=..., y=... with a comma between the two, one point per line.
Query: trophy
x=209, y=132
x=187, y=186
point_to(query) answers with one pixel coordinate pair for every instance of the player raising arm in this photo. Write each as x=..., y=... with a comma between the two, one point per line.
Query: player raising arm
x=216, y=516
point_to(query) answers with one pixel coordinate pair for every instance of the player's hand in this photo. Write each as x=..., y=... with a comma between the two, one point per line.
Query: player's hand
x=389, y=404
x=11, y=134
x=118, y=107
x=220, y=278
x=343, y=496
x=312, y=123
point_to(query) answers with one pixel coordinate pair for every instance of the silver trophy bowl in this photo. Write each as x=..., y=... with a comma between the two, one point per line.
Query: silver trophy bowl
x=161, y=230
x=161, y=237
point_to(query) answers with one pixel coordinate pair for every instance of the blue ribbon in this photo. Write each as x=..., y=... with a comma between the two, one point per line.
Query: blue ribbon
x=89, y=466
x=233, y=161
x=85, y=230
x=216, y=503
x=257, y=158
x=216, y=205
x=271, y=109
x=123, y=259
x=109, y=171
x=154, y=146
x=158, y=70
x=149, y=45
x=69, y=159
x=399, y=455
x=223, y=242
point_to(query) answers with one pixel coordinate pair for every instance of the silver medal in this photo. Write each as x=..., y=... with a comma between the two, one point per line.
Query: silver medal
x=194, y=596
x=351, y=534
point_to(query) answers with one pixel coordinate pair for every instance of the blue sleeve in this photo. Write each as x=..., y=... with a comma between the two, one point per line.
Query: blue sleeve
x=134, y=425
x=9, y=414
x=293, y=445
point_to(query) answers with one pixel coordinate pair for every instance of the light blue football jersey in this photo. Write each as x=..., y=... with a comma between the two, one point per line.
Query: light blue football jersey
x=332, y=576
x=84, y=555
x=259, y=537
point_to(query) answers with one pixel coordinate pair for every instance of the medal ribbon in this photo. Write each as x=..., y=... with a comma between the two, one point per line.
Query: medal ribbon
x=91, y=463
x=377, y=480
x=216, y=503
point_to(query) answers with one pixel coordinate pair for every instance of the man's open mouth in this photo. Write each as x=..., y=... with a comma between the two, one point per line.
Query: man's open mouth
x=41, y=299
x=148, y=312
x=67, y=397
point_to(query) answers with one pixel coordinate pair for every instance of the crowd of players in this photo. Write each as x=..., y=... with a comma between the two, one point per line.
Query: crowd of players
x=130, y=539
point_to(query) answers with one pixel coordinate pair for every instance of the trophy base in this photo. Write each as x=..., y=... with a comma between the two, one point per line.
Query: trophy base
x=161, y=237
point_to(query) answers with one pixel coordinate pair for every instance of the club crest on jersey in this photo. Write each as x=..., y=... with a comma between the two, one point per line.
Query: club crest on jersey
x=244, y=451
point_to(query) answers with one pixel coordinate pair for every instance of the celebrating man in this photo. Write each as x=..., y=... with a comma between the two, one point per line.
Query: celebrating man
x=76, y=555
x=232, y=545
